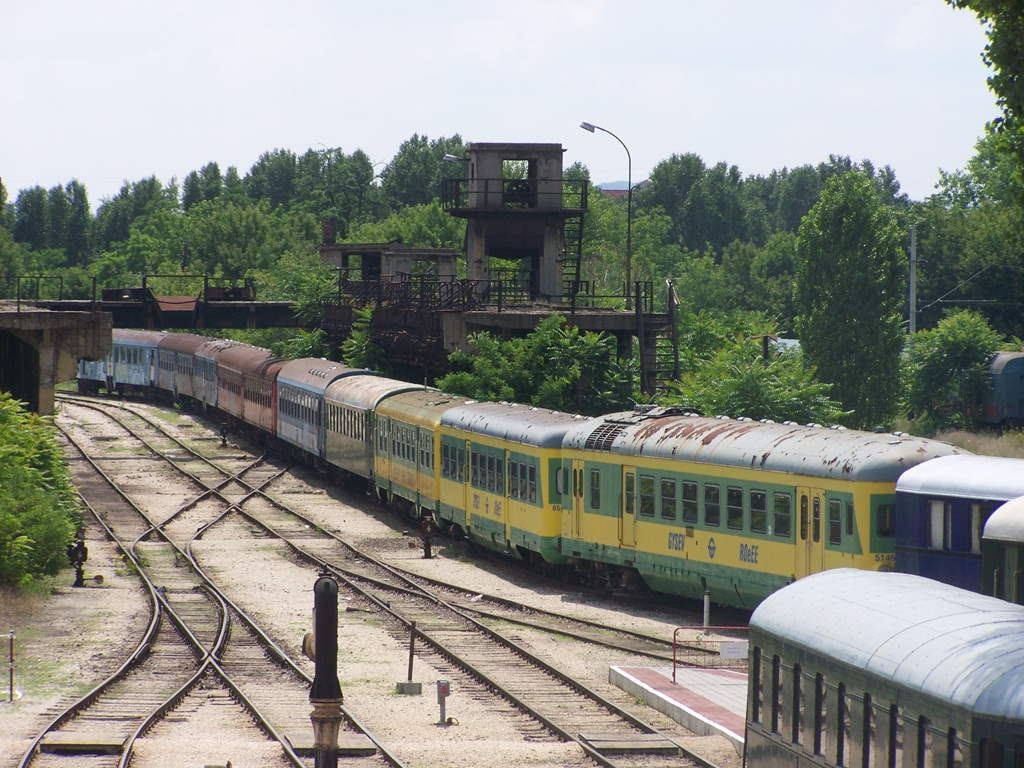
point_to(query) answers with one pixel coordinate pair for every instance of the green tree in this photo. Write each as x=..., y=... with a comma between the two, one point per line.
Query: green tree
x=849, y=296
x=359, y=349
x=76, y=243
x=115, y=216
x=1004, y=55
x=30, y=226
x=421, y=226
x=38, y=509
x=413, y=177
x=771, y=279
x=272, y=178
x=333, y=185
x=739, y=381
x=946, y=370
x=552, y=367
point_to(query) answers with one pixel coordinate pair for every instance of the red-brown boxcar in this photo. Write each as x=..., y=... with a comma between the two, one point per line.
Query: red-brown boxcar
x=245, y=384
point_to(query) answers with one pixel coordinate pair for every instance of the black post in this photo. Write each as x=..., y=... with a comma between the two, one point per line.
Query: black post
x=325, y=695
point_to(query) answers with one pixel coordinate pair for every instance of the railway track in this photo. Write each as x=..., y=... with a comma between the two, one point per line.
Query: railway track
x=452, y=621
x=198, y=648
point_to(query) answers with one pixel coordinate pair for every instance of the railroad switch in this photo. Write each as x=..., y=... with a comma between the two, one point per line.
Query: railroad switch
x=444, y=689
x=78, y=553
x=427, y=530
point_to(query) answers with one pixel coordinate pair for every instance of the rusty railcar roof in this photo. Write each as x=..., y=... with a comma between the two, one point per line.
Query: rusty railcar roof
x=516, y=423
x=213, y=347
x=314, y=374
x=366, y=391
x=242, y=358
x=419, y=406
x=183, y=342
x=791, y=448
x=913, y=633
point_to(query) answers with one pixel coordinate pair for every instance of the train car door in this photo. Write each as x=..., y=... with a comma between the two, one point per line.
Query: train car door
x=572, y=514
x=467, y=486
x=627, y=522
x=810, y=547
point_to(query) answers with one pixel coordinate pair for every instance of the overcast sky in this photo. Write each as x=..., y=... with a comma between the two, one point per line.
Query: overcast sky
x=112, y=90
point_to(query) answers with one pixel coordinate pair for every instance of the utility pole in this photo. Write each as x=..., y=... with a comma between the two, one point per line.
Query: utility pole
x=913, y=279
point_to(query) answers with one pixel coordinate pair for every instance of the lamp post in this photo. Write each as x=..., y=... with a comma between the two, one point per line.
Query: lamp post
x=629, y=210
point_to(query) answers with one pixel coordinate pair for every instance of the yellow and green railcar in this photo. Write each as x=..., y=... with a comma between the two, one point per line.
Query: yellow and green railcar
x=734, y=508
x=406, y=448
x=498, y=464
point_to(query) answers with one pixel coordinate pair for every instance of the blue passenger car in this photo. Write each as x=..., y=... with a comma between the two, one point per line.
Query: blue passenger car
x=134, y=361
x=301, y=385
x=941, y=509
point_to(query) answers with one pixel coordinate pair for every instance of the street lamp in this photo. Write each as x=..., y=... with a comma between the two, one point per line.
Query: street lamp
x=629, y=210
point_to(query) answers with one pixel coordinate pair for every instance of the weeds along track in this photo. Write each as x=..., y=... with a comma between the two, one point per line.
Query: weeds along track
x=198, y=647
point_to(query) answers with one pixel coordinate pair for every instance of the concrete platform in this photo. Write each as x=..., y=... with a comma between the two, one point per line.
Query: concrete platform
x=709, y=702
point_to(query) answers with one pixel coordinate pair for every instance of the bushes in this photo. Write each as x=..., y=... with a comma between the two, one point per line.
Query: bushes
x=38, y=508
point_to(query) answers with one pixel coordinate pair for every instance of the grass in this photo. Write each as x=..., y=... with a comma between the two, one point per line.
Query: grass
x=1009, y=444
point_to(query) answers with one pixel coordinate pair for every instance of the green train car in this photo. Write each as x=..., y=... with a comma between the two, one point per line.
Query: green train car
x=732, y=507
x=884, y=670
x=498, y=465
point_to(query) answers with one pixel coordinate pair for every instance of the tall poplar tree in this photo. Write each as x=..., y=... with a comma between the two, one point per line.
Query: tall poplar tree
x=849, y=297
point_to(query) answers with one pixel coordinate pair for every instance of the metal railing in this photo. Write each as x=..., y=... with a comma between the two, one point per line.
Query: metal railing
x=32, y=289
x=709, y=648
x=525, y=194
x=515, y=290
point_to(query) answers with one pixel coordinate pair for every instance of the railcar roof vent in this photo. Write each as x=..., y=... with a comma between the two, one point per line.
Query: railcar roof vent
x=601, y=439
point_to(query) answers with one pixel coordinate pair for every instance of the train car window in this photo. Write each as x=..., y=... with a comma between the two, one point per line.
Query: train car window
x=938, y=525
x=630, y=493
x=991, y=754
x=734, y=507
x=776, y=694
x=885, y=521
x=490, y=473
x=668, y=499
x=461, y=464
x=835, y=522
x=474, y=460
x=924, y=742
x=499, y=478
x=868, y=736
x=513, y=474
x=757, y=692
x=976, y=528
x=803, y=517
x=595, y=489
x=445, y=449
x=849, y=518
x=819, y=714
x=954, y=750
x=842, y=724
x=895, y=737
x=524, y=485
x=798, y=705
x=689, y=502
x=783, y=524
x=531, y=474
x=712, y=505
x=646, y=496
x=816, y=519
x=758, y=511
